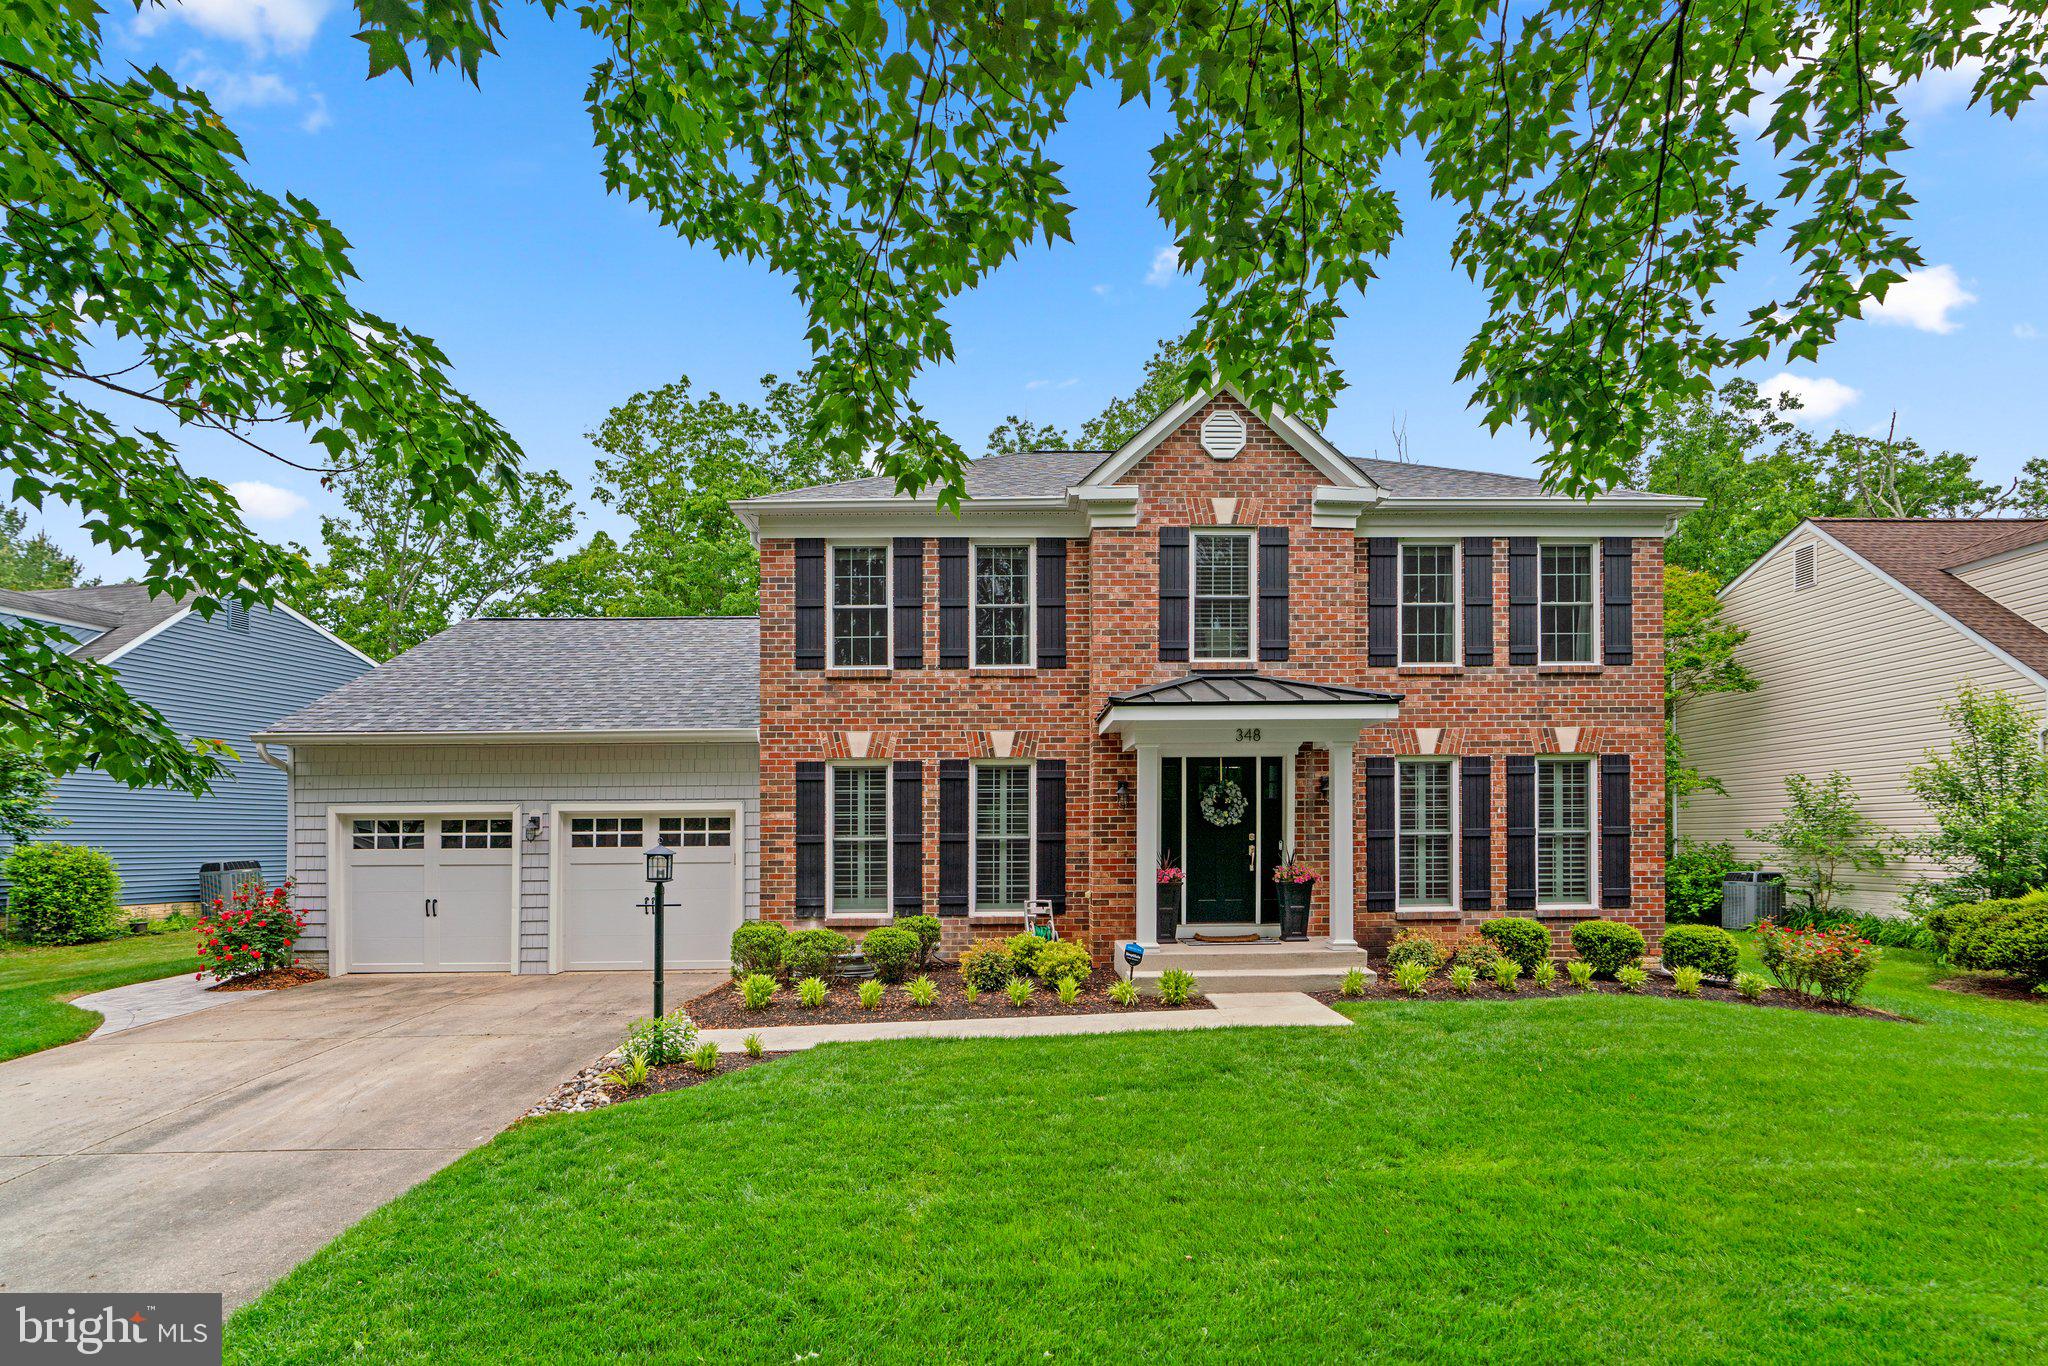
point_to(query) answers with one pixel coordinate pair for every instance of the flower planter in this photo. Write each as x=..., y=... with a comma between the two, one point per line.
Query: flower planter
x=1294, y=899
x=1169, y=913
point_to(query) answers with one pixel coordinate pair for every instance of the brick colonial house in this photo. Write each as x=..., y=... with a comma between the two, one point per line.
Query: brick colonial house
x=1192, y=650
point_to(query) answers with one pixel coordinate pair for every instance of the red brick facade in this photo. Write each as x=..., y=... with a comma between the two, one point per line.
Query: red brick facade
x=1113, y=645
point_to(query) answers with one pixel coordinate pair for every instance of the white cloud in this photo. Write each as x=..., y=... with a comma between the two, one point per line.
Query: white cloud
x=2025, y=331
x=259, y=25
x=317, y=116
x=267, y=502
x=234, y=90
x=1165, y=266
x=1819, y=397
x=1923, y=301
x=1051, y=383
x=1100, y=289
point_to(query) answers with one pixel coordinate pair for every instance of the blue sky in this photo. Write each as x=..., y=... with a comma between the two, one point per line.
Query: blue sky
x=478, y=218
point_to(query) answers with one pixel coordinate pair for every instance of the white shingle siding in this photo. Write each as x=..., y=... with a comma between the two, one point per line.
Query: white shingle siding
x=536, y=777
x=2017, y=581
x=1853, y=674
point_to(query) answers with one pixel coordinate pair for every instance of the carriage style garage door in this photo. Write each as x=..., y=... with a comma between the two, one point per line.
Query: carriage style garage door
x=603, y=883
x=430, y=893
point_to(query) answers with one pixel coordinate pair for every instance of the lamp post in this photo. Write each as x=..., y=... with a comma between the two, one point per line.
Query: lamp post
x=661, y=866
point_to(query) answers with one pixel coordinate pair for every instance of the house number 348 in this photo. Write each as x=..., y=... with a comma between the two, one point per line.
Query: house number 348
x=1245, y=733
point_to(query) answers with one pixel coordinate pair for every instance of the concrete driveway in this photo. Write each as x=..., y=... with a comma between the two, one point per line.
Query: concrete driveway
x=217, y=1151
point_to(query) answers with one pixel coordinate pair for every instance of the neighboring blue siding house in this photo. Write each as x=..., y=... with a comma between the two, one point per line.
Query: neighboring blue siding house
x=222, y=677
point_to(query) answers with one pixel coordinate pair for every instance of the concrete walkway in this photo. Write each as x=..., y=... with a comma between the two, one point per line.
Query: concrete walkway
x=167, y=998
x=1233, y=1010
x=216, y=1151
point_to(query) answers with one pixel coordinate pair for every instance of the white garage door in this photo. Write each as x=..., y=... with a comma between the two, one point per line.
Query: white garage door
x=430, y=893
x=606, y=927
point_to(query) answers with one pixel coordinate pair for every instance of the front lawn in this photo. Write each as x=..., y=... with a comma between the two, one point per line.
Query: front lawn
x=1581, y=1176
x=36, y=982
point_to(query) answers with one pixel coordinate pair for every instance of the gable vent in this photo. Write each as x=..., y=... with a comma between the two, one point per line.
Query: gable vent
x=1222, y=434
x=1802, y=566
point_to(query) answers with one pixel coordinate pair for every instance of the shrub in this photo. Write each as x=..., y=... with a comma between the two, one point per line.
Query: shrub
x=1063, y=958
x=1608, y=945
x=1692, y=881
x=1176, y=986
x=1749, y=986
x=1581, y=973
x=871, y=994
x=255, y=934
x=1477, y=953
x=986, y=966
x=1519, y=938
x=1709, y=948
x=1070, y=990
x=757, y=989
x=810, y=992
x=926, y=928
x=970, y=991
x=1545, y=975
x=61, y=894
x=705, y=1057
x=809, y=953
x=1631, y=978
x=663, y=1039
x=892, y=951
x=1685, y=981
x=924, y=992
x=1024, y=950
x=1020, y=989
x=1506, y=973
x=630, y=1074
x=757, y=947
x=1462, y=978
x=1830, y=964
x=1894, y=931
x=1123, y=992
x=752, y=1043
x=1995, y=936
x=1413, y=946
x=1411, y=977
x=1353, y=983
x=1824, y=837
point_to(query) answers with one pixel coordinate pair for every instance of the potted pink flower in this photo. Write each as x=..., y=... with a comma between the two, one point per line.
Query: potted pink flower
x=1171, y=878
x=1296, y=879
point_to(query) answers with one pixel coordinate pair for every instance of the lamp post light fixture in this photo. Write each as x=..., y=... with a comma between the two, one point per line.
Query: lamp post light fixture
x=661, y=867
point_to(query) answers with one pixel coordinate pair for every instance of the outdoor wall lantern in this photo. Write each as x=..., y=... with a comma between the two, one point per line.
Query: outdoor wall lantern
x=532, y=826
x=1323, y=787
x=1123, y=791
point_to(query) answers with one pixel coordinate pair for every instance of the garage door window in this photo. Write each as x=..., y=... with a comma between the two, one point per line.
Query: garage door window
x=485, y=833
x=605, y=832
x=696, y=832
x=390, y=834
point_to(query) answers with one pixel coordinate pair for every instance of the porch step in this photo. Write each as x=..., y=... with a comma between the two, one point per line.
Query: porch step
x=1222, y=968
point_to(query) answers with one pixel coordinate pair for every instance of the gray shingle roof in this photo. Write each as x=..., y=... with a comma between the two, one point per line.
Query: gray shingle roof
x=554, y=675
x=123, y=611
x=1242, y=687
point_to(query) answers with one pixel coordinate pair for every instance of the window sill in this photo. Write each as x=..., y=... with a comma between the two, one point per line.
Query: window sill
x=1570, y=668
x=1426, y=669
x=1199, y=664
x=858, y=918
x=1002, y=671
x=857, y=671
x=1567, y=912
x=1428, y=913
x=978, y=917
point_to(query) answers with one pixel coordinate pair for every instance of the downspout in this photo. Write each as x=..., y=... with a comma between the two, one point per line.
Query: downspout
x=284, y=766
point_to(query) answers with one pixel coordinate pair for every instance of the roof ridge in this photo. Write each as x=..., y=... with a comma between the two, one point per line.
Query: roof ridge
x=699, y=616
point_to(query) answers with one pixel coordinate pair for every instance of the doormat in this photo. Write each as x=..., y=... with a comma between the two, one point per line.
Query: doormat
x=1228, y=938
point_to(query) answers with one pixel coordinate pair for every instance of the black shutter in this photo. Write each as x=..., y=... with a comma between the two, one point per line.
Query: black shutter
x=1614, y=829
x=953, y=816
x=810, y=838
x=1173, y=592
x=1478, y=601
x=1273, y=592
x=1052, y=833
x=1052, y=603
x=953, y=578
x=907, y=557
x=1383, y=602
x=1617, y=577
x=1475, y=832
x=810, y=603
x=1379, y=834
x=907, y=837
x=1521, y=770
x=1522, y=590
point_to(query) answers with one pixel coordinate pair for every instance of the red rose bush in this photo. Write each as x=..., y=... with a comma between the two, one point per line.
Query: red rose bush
x=255, y=932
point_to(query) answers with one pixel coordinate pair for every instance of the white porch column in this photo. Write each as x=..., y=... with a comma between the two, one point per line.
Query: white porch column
x=1343, y=820
x=1146, y=881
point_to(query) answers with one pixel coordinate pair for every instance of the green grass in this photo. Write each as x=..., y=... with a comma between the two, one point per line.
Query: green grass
x=36, y=982
x=1576, y=1176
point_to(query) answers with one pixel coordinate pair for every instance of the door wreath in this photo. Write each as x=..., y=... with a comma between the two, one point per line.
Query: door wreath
x=1223, y=803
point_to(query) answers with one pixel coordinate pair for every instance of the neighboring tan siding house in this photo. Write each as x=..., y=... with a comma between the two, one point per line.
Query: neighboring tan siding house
x=1860, y=632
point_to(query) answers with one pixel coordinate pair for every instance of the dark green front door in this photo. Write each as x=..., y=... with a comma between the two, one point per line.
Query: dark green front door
x=1222, y=860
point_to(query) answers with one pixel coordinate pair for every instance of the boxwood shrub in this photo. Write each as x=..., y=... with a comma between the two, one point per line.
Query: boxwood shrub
x=757, y=947
x=2009, y=935
x=809, y=953
x=891, y=950
x=1608, y=946
x=987, y=965
x=926, y=928
x=1692, y=881
x=1413, y=946
x=1709, y=948
x=1063, y=958
x=62, y=894
x=1519, y=938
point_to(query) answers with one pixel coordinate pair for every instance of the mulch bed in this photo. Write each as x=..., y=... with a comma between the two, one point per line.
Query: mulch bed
x=275, y=980
x=588, y=1090
x=1995, y=985
x=1440, y=990
x=721, y=1008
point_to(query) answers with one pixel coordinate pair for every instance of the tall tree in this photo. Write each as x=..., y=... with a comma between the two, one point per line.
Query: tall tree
x=28, y=562
x=1165, y=382
x=391, y=576
x=1699, y=658
x=1016, y=433
x=25, y=787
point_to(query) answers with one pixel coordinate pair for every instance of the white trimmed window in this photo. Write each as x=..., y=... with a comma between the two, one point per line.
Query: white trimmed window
x=389, y=834
x=1002, y=606
x=1424, y=833
x=1564, y=624
x=471, y=832
x=859, y=825
x=1429, y=614
x=860, y=607
x=606, y=832
x=1223, y=595
x=696, y=832
x=1564, y=832
x=1002, y=836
